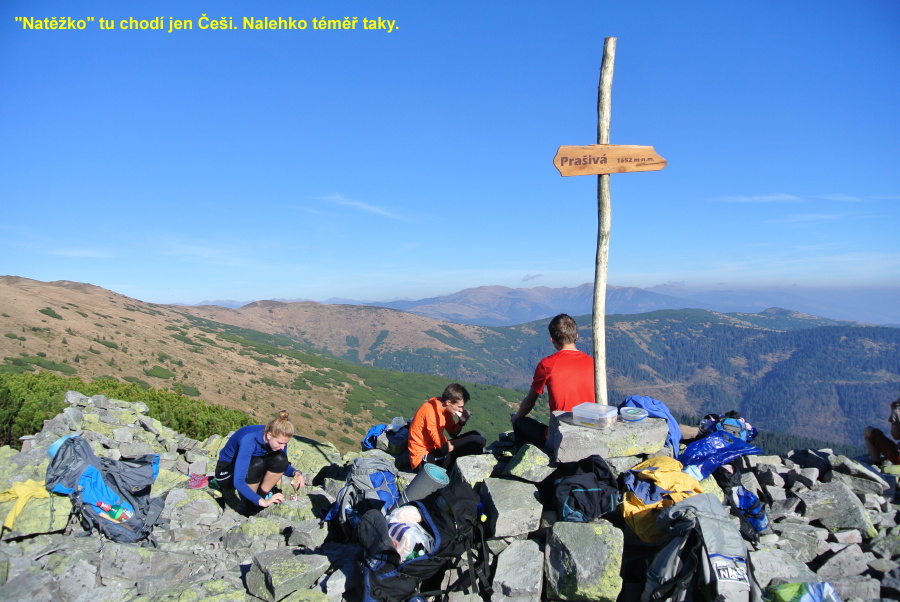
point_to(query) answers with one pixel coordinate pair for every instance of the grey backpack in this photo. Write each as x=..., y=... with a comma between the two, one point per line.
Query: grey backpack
x=90, y=481
x=705, y=559
x=371, y=484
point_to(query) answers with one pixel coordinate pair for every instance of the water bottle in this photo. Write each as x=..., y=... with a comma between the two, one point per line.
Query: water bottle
x=116, y=513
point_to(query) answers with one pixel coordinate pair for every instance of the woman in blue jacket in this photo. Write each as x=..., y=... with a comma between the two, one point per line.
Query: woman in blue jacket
x=255, y=458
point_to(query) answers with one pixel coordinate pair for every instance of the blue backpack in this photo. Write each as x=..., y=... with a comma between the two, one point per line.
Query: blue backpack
x=371, y=484
x=90, y=481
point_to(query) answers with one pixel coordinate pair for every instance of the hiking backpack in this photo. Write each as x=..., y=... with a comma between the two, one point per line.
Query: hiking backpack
x=589, y=493
x=371, y=484
x=705, y=559
x=730, y=422
x=451, y=517
x=77, y=472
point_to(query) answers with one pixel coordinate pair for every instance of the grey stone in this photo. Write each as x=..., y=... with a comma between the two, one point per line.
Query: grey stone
x=475, y=469
x=857, y=587
x=846, y=537
x=890, y=584
x=73, y=418
x=529, y=464
x=622, y=464
x=583, y=561
x=768, y=477
x=136, y=449
x=837, y=508
x=858, y=485
x=770, y=564
x=520, y=573
x=846, y=563
x=801, y=541
x=308, y=533
x=512, y=507
x=280, y=572
x=123, y=434
x=567, y=442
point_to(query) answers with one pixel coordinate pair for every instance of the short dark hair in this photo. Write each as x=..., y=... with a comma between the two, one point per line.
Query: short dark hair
x=563, y=329
x=455, y=393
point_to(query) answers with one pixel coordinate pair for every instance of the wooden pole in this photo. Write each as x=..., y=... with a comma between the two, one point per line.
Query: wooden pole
x=604, y=220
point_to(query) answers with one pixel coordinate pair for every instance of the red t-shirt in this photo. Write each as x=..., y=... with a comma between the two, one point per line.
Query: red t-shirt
x=569, y=377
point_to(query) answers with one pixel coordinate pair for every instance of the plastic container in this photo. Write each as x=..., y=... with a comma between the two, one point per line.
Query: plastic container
x=633, y=414
x=595, y=415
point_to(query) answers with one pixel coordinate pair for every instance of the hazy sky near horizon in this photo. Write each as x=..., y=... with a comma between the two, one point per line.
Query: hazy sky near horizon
x=368, y=164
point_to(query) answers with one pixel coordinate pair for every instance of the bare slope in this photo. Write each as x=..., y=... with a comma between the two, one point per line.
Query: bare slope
x=88, y=331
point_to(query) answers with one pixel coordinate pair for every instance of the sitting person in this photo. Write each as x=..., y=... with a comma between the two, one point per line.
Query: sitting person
x=568, y=375
x=254, y=459
x=427, y=442
x=877, y=443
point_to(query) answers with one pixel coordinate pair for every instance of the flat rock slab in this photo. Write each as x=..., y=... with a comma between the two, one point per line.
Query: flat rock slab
x=567, y=442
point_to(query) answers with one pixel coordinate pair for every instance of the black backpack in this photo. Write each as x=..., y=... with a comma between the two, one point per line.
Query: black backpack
x=88, y=480
x=452, y=517
x=589, y=493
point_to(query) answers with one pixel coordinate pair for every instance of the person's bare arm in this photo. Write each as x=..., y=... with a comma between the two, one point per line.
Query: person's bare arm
x=526, y=406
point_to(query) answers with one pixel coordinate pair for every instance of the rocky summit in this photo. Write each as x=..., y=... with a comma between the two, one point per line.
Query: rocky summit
x=833, y=519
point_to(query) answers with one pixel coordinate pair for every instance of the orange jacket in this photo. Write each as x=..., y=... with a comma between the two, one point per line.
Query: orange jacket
x=426, y=433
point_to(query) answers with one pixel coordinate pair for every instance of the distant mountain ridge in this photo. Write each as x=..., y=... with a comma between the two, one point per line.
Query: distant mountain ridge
x=503, y=306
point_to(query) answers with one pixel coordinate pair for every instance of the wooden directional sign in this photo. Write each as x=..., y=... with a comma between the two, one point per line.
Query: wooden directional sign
x=599, y=159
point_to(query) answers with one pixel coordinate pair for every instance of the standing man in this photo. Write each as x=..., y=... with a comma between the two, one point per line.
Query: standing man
x=568, y=375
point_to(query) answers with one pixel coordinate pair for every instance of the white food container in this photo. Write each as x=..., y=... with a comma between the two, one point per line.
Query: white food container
x=596, y=415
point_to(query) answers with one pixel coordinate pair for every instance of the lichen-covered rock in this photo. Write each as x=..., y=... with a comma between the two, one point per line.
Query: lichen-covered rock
x=529, y=464
x=583, y=561
x=277, y=573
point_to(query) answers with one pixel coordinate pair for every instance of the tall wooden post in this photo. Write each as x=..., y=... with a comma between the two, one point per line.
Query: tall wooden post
x=604, y=221
x=603, y=159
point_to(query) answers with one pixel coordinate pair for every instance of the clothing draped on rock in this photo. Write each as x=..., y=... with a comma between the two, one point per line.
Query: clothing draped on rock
x=650, y=487
x=22, y=492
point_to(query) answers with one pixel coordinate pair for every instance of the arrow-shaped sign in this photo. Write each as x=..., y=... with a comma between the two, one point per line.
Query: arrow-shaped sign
x=598, y=159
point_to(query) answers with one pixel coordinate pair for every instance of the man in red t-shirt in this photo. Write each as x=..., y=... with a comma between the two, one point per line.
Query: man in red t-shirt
x=568, y=375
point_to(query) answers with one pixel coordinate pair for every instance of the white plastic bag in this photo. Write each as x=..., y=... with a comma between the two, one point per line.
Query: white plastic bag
x=410, y=539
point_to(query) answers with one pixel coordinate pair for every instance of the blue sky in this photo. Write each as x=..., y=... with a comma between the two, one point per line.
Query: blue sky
x=203, y=164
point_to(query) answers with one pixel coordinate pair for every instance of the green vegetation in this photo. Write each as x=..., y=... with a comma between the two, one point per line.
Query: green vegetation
x=184, y=339
x=27, y=363
x=108, y=344
x=10, y=335
x=159, y=372
x=141, y=383
x=48, y=311
x=26, y=400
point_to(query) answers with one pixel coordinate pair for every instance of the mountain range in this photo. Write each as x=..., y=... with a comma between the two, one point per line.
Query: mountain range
x=503, y=306
x=343, y=367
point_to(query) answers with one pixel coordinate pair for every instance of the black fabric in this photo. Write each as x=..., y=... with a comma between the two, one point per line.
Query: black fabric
x=451, y=516
x=529, y=430
x=589, y=493
x=274, y=461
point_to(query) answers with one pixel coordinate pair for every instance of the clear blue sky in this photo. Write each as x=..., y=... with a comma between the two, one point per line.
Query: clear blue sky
x=208, y=164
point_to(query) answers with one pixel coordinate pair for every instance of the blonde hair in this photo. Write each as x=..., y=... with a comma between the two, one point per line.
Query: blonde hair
x=281, y=426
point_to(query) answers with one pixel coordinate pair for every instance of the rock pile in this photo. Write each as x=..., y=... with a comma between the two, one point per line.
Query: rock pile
x=833, y=519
